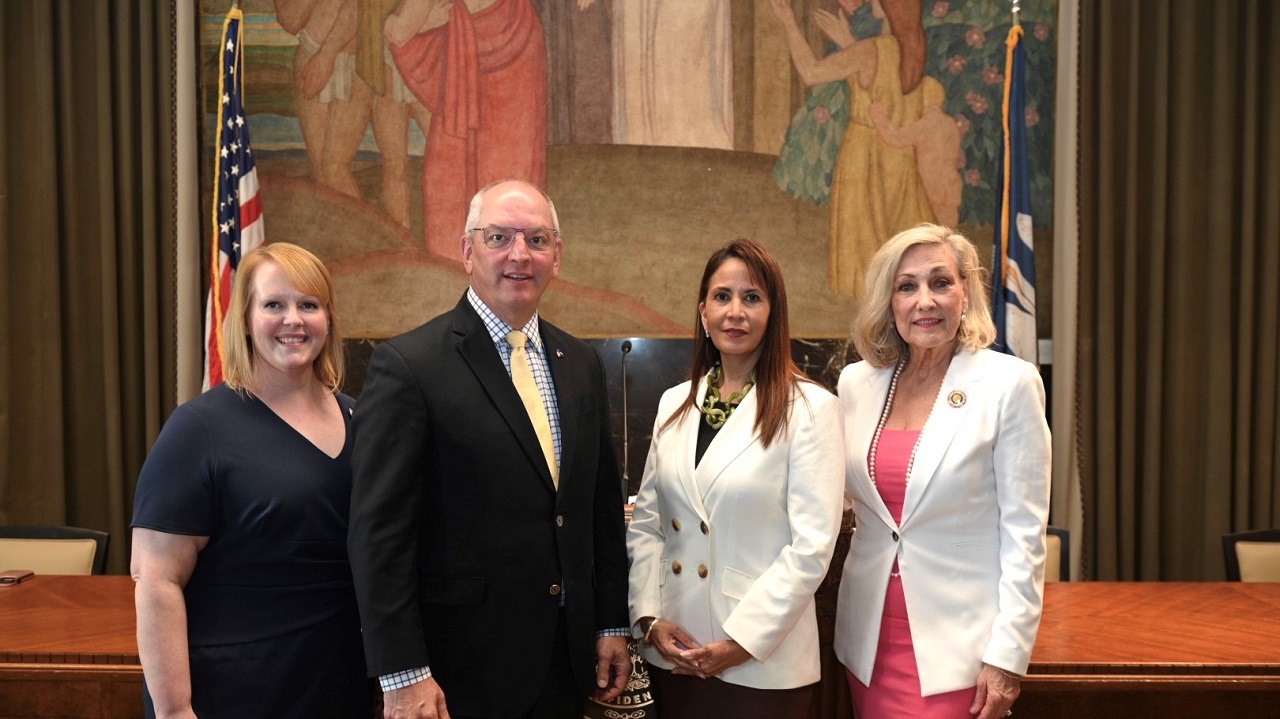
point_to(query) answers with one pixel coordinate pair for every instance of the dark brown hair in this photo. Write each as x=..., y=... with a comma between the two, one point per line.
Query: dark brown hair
x=776, y=373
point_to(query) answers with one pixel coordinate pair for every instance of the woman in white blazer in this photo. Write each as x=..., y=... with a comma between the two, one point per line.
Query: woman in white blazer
x=948, y=469
x=739, y=509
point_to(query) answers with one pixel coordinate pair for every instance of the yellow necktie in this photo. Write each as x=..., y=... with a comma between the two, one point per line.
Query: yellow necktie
x=522, y=377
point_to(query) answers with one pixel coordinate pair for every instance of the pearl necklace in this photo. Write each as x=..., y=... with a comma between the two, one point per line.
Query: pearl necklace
x=884, y=417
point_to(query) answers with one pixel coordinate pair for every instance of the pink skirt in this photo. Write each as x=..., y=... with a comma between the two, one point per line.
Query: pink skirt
x=895, y=681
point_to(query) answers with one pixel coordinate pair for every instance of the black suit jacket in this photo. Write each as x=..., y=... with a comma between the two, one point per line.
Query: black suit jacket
x=460, y=545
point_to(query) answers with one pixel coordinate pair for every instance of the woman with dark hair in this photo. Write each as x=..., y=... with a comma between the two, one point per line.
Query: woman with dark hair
x=738, y=510
x=948, y=469
x=246, y=606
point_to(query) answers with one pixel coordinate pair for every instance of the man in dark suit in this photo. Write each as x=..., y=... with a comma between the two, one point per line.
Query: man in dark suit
x=486, y=533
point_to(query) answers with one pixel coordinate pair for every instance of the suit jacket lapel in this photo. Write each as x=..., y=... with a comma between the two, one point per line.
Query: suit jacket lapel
x=871, y=404
x=737, y=434
x=685, y=441
x=945, y=420
x=478, y=351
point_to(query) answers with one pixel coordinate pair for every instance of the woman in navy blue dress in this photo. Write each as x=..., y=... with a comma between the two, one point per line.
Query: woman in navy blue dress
x=243, y=590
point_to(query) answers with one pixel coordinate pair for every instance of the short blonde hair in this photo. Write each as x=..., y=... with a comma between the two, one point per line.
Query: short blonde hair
x=307, y=274
x=875, y=334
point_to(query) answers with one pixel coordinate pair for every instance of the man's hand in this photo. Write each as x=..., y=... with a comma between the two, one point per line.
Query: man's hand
x=420, y=700
x=613, y=667
x=316, y=73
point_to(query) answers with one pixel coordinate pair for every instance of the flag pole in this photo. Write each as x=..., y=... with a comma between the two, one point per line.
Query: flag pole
x=1013, y=261
x=236, y=204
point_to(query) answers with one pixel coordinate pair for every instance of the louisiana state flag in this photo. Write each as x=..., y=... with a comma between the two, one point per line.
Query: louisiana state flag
x=1013, y=275
x=237, y=206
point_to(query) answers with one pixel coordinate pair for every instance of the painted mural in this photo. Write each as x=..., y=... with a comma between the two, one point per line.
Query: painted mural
x=661, y=129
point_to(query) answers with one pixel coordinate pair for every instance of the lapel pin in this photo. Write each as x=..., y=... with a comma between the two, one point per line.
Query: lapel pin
x=559, y=353
x=956, y=399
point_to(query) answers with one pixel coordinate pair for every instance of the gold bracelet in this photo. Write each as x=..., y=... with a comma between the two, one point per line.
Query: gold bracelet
x=1011, y=675
x=649, y=631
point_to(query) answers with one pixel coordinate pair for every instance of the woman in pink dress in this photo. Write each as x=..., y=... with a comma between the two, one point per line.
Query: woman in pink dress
x=948, y=469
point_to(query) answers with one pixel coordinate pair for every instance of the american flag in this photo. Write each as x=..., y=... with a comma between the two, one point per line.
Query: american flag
x=1013, y=275
x=237, y=206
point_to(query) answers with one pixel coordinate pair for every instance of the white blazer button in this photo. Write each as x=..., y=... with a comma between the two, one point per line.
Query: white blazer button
x=702, y=571
x=675, y=524
x=895, y=536
x=676, y=568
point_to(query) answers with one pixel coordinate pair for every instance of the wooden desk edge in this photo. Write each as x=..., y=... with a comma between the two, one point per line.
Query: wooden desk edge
x=28, y=671
x=1150, y=682
x=68, y=658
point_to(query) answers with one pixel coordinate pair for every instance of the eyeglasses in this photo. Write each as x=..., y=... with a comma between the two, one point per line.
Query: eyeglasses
x=537, y=239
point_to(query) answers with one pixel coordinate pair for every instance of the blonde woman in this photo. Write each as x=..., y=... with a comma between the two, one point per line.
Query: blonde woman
x=948, y=468
x=244, y=595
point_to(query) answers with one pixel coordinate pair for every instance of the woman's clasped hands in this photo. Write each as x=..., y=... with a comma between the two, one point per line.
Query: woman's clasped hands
x=691, y=658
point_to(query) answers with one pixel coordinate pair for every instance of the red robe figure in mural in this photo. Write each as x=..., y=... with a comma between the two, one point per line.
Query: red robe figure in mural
x=483, y=76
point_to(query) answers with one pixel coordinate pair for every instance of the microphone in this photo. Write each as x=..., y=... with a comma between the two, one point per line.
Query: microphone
x=626, y=430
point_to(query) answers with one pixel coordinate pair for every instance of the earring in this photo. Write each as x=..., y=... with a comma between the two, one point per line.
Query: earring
x=705, y=332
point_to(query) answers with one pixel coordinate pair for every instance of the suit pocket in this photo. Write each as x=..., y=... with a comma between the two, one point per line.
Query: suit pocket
x=735, y=584
x=970, y=544
x=453, y=591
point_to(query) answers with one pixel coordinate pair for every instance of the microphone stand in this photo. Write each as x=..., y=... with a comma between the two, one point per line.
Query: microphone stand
x=626, y=430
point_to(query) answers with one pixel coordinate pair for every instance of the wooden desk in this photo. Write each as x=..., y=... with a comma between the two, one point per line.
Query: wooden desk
x=1106, y=649
x=1147, y=649
x=68, y=648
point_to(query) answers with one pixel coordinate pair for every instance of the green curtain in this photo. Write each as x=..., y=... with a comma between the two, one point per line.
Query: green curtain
x=1179, y=268
x=87, y=258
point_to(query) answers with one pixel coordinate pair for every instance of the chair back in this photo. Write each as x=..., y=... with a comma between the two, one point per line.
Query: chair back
x=1057, y=559
x=1252, y=556
x=53, y=549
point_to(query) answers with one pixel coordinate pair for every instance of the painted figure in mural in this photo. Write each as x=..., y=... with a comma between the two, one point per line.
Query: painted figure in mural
x=673, y=73
x=738, y=510
x=579, y=71
x=480, y=67
x=393, y=106
x=876, y=189
x=936, y=141
x=331, y=101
